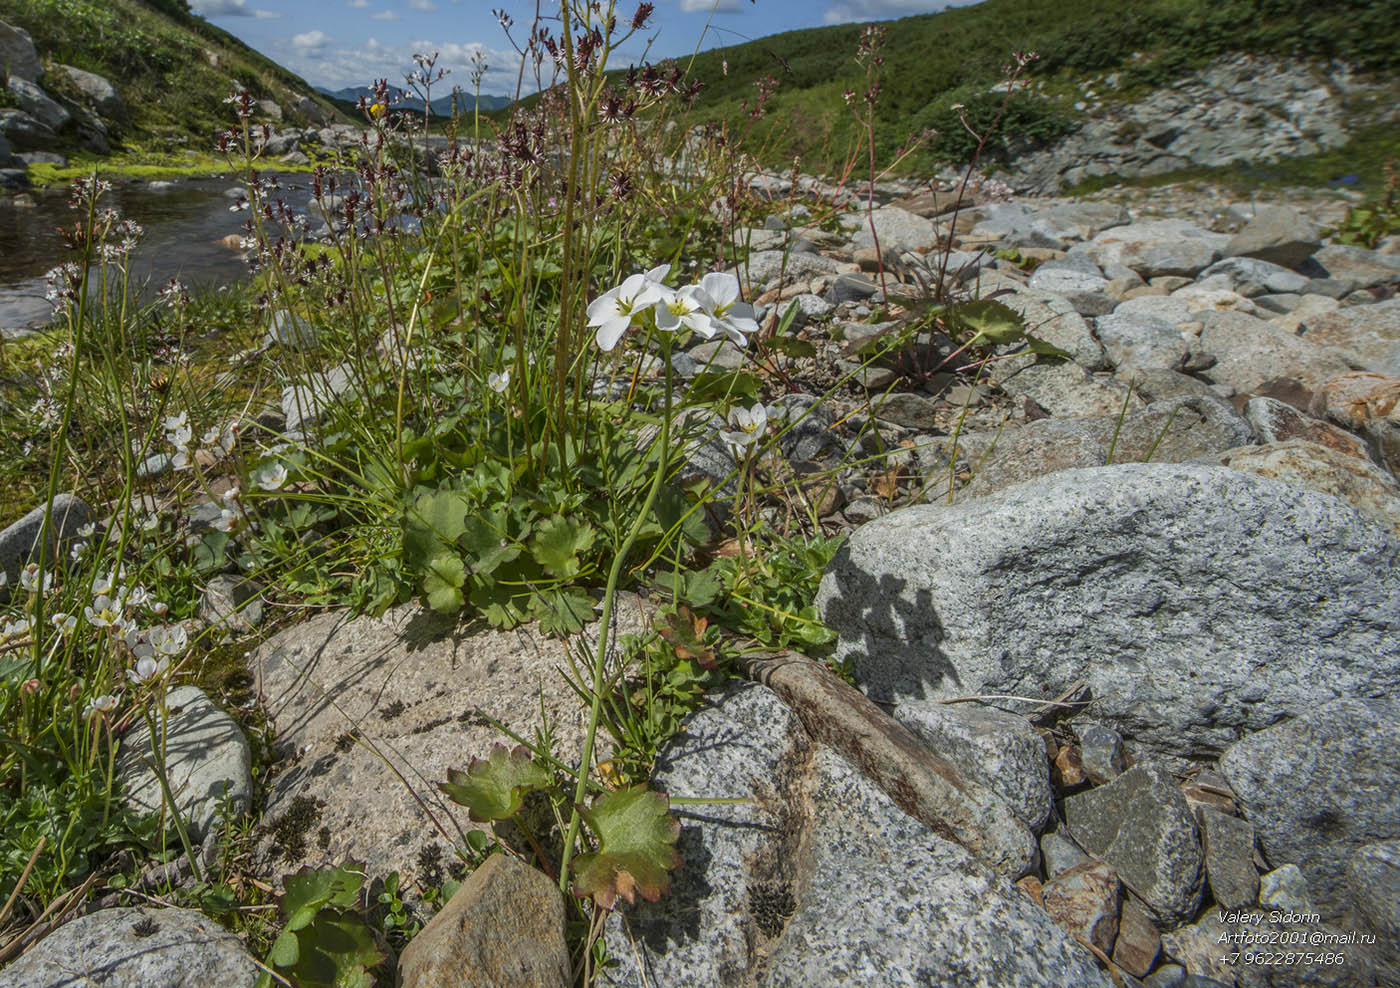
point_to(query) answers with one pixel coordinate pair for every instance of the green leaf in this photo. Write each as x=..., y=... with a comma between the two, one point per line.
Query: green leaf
x=494, y=787
x=558, y=542
x=636, y=847
x=793, y=347
x=209, y=552
x=1036, y=345
x=285, y=950
x=701, y=588
x=722, y=386
x=993, y=322
x=443, y=583
x=435, y=522
x=336, y=952
x=499, y=605
x=484, y=538
x=561, y=612
x=312, y=889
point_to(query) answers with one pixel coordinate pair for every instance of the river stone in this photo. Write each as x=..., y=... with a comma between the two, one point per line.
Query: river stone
x=1138, y=941
x=136, y=947
x=1053, y=319
x=1078, y=280
x=1373, y=873
x=1277, y=234
x=1351, y=268
x=805, y=427
x=1175, y=591
x=896, y=228
x=24, y=132
x=38, y=104
x=304, y=404
x=1355, y=480
x=100, y=93
x=1277, y=421
x=1252, y=277
x=208, y=763
x=1136, y=341
x=418, y=690
x=19, y=542
x=1062, y=388
x=18, y=58
x=1369, y=333
x=1101, y=752
x=1205, y=948
x=1322, y=784
x=1249, y=351
x=1139, y=824
x=1169, y=431
x=763, y=266
x=817, y=878
x=1157, y=247
x=503, y=928
x=1365, y=403
x=1059, y=854
x=1086, y=900
x=1229, y=846
x=1158, y=385
x=1285, y=889
x=1000, y=750
x=232, y=602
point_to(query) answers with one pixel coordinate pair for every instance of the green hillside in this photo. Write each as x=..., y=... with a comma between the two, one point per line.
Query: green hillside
x=172, y=67
x=933, y=61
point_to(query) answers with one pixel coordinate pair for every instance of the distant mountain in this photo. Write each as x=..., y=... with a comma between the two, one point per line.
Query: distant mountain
x=441, y=105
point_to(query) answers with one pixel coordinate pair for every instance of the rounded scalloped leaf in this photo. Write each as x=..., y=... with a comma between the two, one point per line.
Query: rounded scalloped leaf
x=493, y=788
x=636, y=847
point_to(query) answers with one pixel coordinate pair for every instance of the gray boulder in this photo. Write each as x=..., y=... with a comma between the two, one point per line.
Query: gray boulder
x=1078, y=280
x=19, y=541
x=24, y=132
x=1322, y=785
x=1374, y=876
x=38, y=104
x=98, y=92
x=1252, y=277
x=1276, y=234
x=1368, y=334
x=1196, y=602
x=763, y=266
x=18, y=58
x=1249, y=351
x=136, y=947
x=207, y=760
x=1141, y=342
x=896, y=228
x=1156, y=247
x=1000, y=750
x=1139, y=824
x=1349, y=268
x=817, y=878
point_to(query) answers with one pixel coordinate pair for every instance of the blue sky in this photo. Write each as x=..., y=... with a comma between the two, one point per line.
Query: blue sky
x=338, y=43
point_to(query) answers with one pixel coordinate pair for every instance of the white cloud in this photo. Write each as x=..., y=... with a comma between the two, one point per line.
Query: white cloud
x=359, y=4
x=427, y=6
x=266, y=15
x=386, y=15
x=338, y=66
x=705, y=6
x=845, y=11
x=311, y=41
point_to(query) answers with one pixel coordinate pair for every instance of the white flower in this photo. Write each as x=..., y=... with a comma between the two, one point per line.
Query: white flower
x=147, y=669
x=227, y=521
x=232, y=494
x=159, y=607
x=4, y=578
x=613, y=311
x=87, y=531
x=14, y=629
x=150, y=523
x=747, y=425
x=78, y=551
x=31, y=579
x=169, y=639
x=685, y=309
x=180, y=437
x=137, y=596
x=103, y=612
x=103, y=584
x=63, y=622
x=272, y=478
x=103, y=704
x=173, y=422
x=732, y=317
x=498, y=382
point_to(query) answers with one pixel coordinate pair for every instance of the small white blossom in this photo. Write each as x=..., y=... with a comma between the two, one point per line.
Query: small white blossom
x=747, y=426
x=31, y=579
x=14, y=629
x=103, y=612
x=169, y=639
x=103, y=704
x=147, y=669
x=272, y=478
x=63, y=622
x=88, y=530
x=232, y=495
x=227, y=521
x=613, y=311
x=498, y=382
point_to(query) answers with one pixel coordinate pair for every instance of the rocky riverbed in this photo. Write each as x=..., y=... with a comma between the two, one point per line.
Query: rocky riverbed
x=1138, y=609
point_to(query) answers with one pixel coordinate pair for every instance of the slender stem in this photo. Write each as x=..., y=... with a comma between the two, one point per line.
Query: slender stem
x=610, y=596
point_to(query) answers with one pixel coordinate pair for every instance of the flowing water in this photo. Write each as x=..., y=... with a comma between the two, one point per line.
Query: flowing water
x=185, y=223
